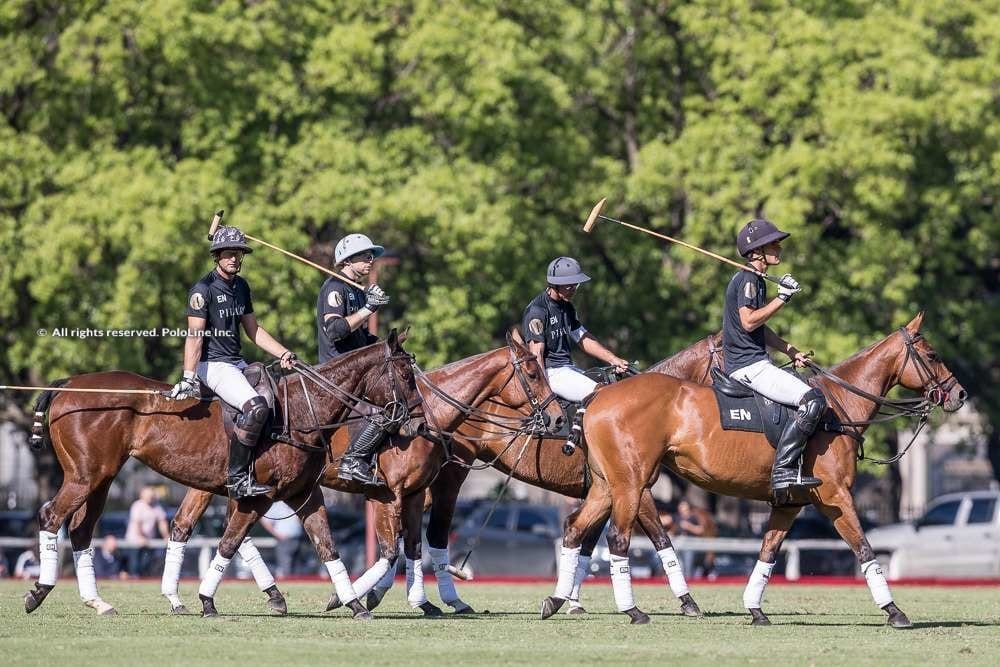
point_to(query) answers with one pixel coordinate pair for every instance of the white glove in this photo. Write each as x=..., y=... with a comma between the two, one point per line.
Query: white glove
x=787, y=287
x=189, y=387
x=375, y=297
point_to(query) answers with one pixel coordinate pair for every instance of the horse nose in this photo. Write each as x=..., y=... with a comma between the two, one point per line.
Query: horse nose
x=962, y=395
x=556, y=423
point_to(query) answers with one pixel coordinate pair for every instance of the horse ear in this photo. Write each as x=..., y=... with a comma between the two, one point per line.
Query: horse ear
x=404, y=334
x=914, y=325
x=514, y=335
x=393, y=340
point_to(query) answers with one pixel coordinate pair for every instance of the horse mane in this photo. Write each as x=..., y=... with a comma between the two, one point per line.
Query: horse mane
x=849, y=361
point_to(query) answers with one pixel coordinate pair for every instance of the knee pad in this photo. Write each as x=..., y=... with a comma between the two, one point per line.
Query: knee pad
x=255, y=413
x=811, y=409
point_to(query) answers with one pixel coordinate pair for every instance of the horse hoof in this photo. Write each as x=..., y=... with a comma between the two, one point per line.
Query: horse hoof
x=759, y=617
x=276, y=601
x=897, y=618
x=373, y=599
x=101, y=607
x=358, y=611
x=550, y=606
x=334, y=602
x=33, y=599
x=431, y=610
x=208, y=609
x=576, y=611
x=462, y=608
x=637, y=616
x=179, y=610
x=689, y=607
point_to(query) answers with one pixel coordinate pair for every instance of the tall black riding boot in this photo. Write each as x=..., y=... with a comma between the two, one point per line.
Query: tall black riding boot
x=786, y=474
x=358, y=459
x=239, y=482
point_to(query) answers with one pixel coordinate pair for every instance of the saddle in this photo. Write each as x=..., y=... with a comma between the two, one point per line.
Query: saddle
x=263, y=383
x=743, y=409
x=603, y=376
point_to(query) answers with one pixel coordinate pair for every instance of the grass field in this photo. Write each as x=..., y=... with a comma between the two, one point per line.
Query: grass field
x=812, y=625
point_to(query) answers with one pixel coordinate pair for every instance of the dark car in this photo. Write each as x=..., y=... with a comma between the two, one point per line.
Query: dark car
x=518, y=539
x=16, y=523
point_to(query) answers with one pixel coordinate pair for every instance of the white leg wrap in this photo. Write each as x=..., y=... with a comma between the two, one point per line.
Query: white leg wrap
x=85, y=577
x=48, y=557
x=172, y=571
x=582, y=567
x=446, y=584
x=213, y=576
x=621, y=581
x=385, y=583
x=568, y=559
x=877, y=583
x=371, y=577
x=675, y=573
x=753, y=594
x=341, y=582
x=258, y=568
x=415, y=593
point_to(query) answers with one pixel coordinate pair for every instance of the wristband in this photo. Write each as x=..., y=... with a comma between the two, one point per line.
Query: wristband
x=190, y=375
x=785, y=297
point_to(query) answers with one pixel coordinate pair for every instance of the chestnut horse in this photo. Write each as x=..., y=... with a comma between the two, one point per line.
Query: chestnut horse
x=508, y=376
x=542, y=464
x=634, y=425
x=94, y=434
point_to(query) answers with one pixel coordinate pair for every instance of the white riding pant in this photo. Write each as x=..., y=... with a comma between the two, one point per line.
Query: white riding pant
x=227, y=381
x=767, y=379
x=570, y=383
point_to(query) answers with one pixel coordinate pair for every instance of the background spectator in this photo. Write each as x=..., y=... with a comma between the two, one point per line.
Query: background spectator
x=107, y=560
x=146, y=521
x=287, y=528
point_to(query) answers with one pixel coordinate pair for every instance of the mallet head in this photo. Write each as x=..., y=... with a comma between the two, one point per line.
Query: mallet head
x=216, y=221
x=595, y=213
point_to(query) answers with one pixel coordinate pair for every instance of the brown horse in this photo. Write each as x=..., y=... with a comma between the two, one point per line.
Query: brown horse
x=94, y=434
x=542, y=464
x=508, y=376
x=633, y=426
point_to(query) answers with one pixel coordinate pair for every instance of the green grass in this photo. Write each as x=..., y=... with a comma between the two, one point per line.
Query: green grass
x=812, y=625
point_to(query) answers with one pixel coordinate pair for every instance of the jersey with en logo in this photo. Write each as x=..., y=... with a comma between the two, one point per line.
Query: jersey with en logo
x=338, y=298
x=739, y=346
x=554, y=323
x=222, y=303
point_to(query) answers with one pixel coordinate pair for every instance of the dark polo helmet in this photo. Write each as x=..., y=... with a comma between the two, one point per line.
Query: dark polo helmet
x=229, y=238
x=757, y=234
x=565, y=271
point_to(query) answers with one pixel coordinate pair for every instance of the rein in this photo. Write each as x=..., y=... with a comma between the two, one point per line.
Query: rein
x=888, y=409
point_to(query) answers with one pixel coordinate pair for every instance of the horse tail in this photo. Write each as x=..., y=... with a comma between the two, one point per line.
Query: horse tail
x=39, y=430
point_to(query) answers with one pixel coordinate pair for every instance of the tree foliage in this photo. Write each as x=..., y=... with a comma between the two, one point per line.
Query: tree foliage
x=472, y=138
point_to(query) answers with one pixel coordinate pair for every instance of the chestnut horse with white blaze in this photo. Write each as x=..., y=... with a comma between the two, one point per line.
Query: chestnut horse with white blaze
x=635, y=425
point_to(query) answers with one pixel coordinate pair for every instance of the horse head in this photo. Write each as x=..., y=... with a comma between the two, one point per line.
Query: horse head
x=392, y=384
x=922, y=369
x=531, y=386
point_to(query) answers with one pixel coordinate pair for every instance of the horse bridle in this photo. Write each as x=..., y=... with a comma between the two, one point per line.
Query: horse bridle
x=536, y=420
x=938, y=393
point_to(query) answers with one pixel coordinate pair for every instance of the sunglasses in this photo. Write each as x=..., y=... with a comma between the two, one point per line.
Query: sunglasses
x=363, y=257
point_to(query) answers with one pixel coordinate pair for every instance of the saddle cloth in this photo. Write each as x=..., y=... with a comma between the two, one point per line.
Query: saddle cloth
x=743, y=409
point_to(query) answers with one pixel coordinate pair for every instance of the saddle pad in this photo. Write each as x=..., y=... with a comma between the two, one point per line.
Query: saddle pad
x=755, y=414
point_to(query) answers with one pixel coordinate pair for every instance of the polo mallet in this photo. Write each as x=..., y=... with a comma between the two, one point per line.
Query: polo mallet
x=81, y=390
x=217, y=220
x=595, y=214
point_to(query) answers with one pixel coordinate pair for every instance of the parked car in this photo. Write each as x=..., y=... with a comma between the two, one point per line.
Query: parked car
x=518, y=539
x=958, y=536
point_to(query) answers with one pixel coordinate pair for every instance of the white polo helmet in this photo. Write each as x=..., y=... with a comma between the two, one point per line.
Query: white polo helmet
x=352, y=244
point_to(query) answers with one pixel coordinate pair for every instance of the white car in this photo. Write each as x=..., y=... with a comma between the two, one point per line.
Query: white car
x=958, y=536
